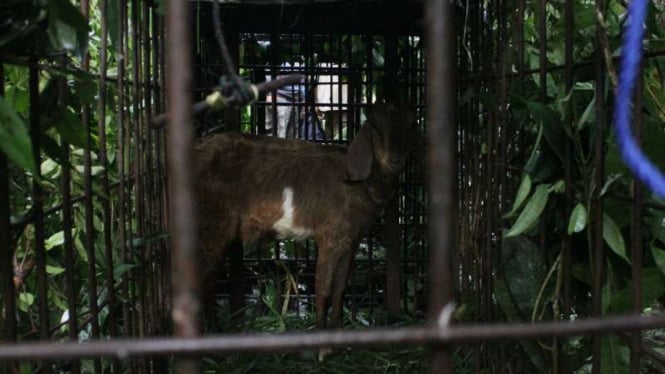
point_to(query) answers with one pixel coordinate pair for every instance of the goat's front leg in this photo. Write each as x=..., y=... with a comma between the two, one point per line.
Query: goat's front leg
x=330, y=259
x=339, y=285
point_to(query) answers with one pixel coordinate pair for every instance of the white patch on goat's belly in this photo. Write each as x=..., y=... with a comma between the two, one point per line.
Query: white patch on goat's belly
x=284, y=226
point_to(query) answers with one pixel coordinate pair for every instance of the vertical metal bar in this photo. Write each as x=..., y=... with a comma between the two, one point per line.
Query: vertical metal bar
x=566, y=265
x=475, y=174
x=489, y=46
x=392, y=233
x=501, y=186
x=186, y=303
x=65, y=187
x=122, y=188
x=155, y=171
x=89, y=227
x=121, y=161
x=542, y=47
x=103, y=160
x=441, y=98
x=232, y=119
x=521, y=6
x=166, y=276
x=38, y=207
x=8, y=293
x=636, y=239
x=275, y=53
x=149, y=248
x=139, y=195
x=597, y=198
x=542, y=75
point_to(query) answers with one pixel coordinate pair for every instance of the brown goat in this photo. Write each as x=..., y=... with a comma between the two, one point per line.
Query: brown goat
x=257, y=188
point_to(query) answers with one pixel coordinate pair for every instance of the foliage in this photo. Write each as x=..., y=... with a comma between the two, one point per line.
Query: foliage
x=54, y=36
x=563, y=129
x=546, y=207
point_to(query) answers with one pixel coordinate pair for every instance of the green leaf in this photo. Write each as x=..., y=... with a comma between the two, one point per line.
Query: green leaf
x=551, y=125
x=14, y=137
x=522, y=193
x=558, y=187
x=69, y=14
x=150, y=239
x=533, y=209
x=510, y=310
x=55, y=240
x=51, y=148
x=54, y=270
x=615, y=356
x=588, y=116
x=48, y=166
x=653, y=287
x=121, y=269
x=68, y=29
x=578, y=219
x=25, y=300
x=659, y=257
x=543, y=164
x=112, y=20
x=71, y=129
x=523, y=267
x=613, y=237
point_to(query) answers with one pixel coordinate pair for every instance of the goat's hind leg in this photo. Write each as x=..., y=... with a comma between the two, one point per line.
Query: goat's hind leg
x=213, y=253
x=325, y=271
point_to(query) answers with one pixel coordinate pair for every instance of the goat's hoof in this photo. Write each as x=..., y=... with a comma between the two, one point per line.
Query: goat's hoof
x=323, y=352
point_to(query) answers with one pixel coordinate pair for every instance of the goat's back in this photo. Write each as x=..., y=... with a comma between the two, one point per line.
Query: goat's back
x=244, y=184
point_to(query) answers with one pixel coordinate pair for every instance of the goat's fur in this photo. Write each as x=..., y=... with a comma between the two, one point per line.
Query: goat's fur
x=258, y=188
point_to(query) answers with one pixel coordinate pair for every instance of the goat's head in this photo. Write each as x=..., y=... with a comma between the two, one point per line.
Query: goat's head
x=386, y=137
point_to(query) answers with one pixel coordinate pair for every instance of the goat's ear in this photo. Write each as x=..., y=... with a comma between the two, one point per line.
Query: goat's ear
x=360, y=155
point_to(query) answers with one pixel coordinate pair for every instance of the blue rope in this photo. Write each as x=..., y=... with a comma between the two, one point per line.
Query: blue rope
x=631, y=57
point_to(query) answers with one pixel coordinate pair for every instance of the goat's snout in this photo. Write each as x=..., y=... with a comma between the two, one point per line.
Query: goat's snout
x=396, y=160
x=393, y=162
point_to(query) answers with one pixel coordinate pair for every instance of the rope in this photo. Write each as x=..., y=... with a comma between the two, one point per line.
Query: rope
x=631, y=58
x=224, y=49
x=235, y=90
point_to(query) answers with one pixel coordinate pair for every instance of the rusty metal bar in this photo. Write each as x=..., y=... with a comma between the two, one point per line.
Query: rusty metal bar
x=222, y=344
x=636, y=238
x=137, y=158
x=597, y=198
x=37, y=203
x=566, y=265
x=104, y=178
x=146, y=159
x=441, y=102
x=87, y=188
x=124, y=204
x=7, y=291
x=157, y=258
x=542, y=49
x=391, y=228
x=163, y=190
x=186, y=287
x=65, y=188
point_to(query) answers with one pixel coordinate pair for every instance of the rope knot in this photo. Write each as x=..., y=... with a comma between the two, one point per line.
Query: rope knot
x=237, y=92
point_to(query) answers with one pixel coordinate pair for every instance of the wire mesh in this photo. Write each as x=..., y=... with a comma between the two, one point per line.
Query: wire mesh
x=118, y=205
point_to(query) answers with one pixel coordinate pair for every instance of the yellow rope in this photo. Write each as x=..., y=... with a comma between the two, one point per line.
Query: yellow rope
x=216, y=101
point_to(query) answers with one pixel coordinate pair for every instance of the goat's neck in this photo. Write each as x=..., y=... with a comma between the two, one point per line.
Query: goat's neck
x=380, y=186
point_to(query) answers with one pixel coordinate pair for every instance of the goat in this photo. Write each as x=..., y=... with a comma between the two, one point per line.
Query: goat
x=258, y=188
